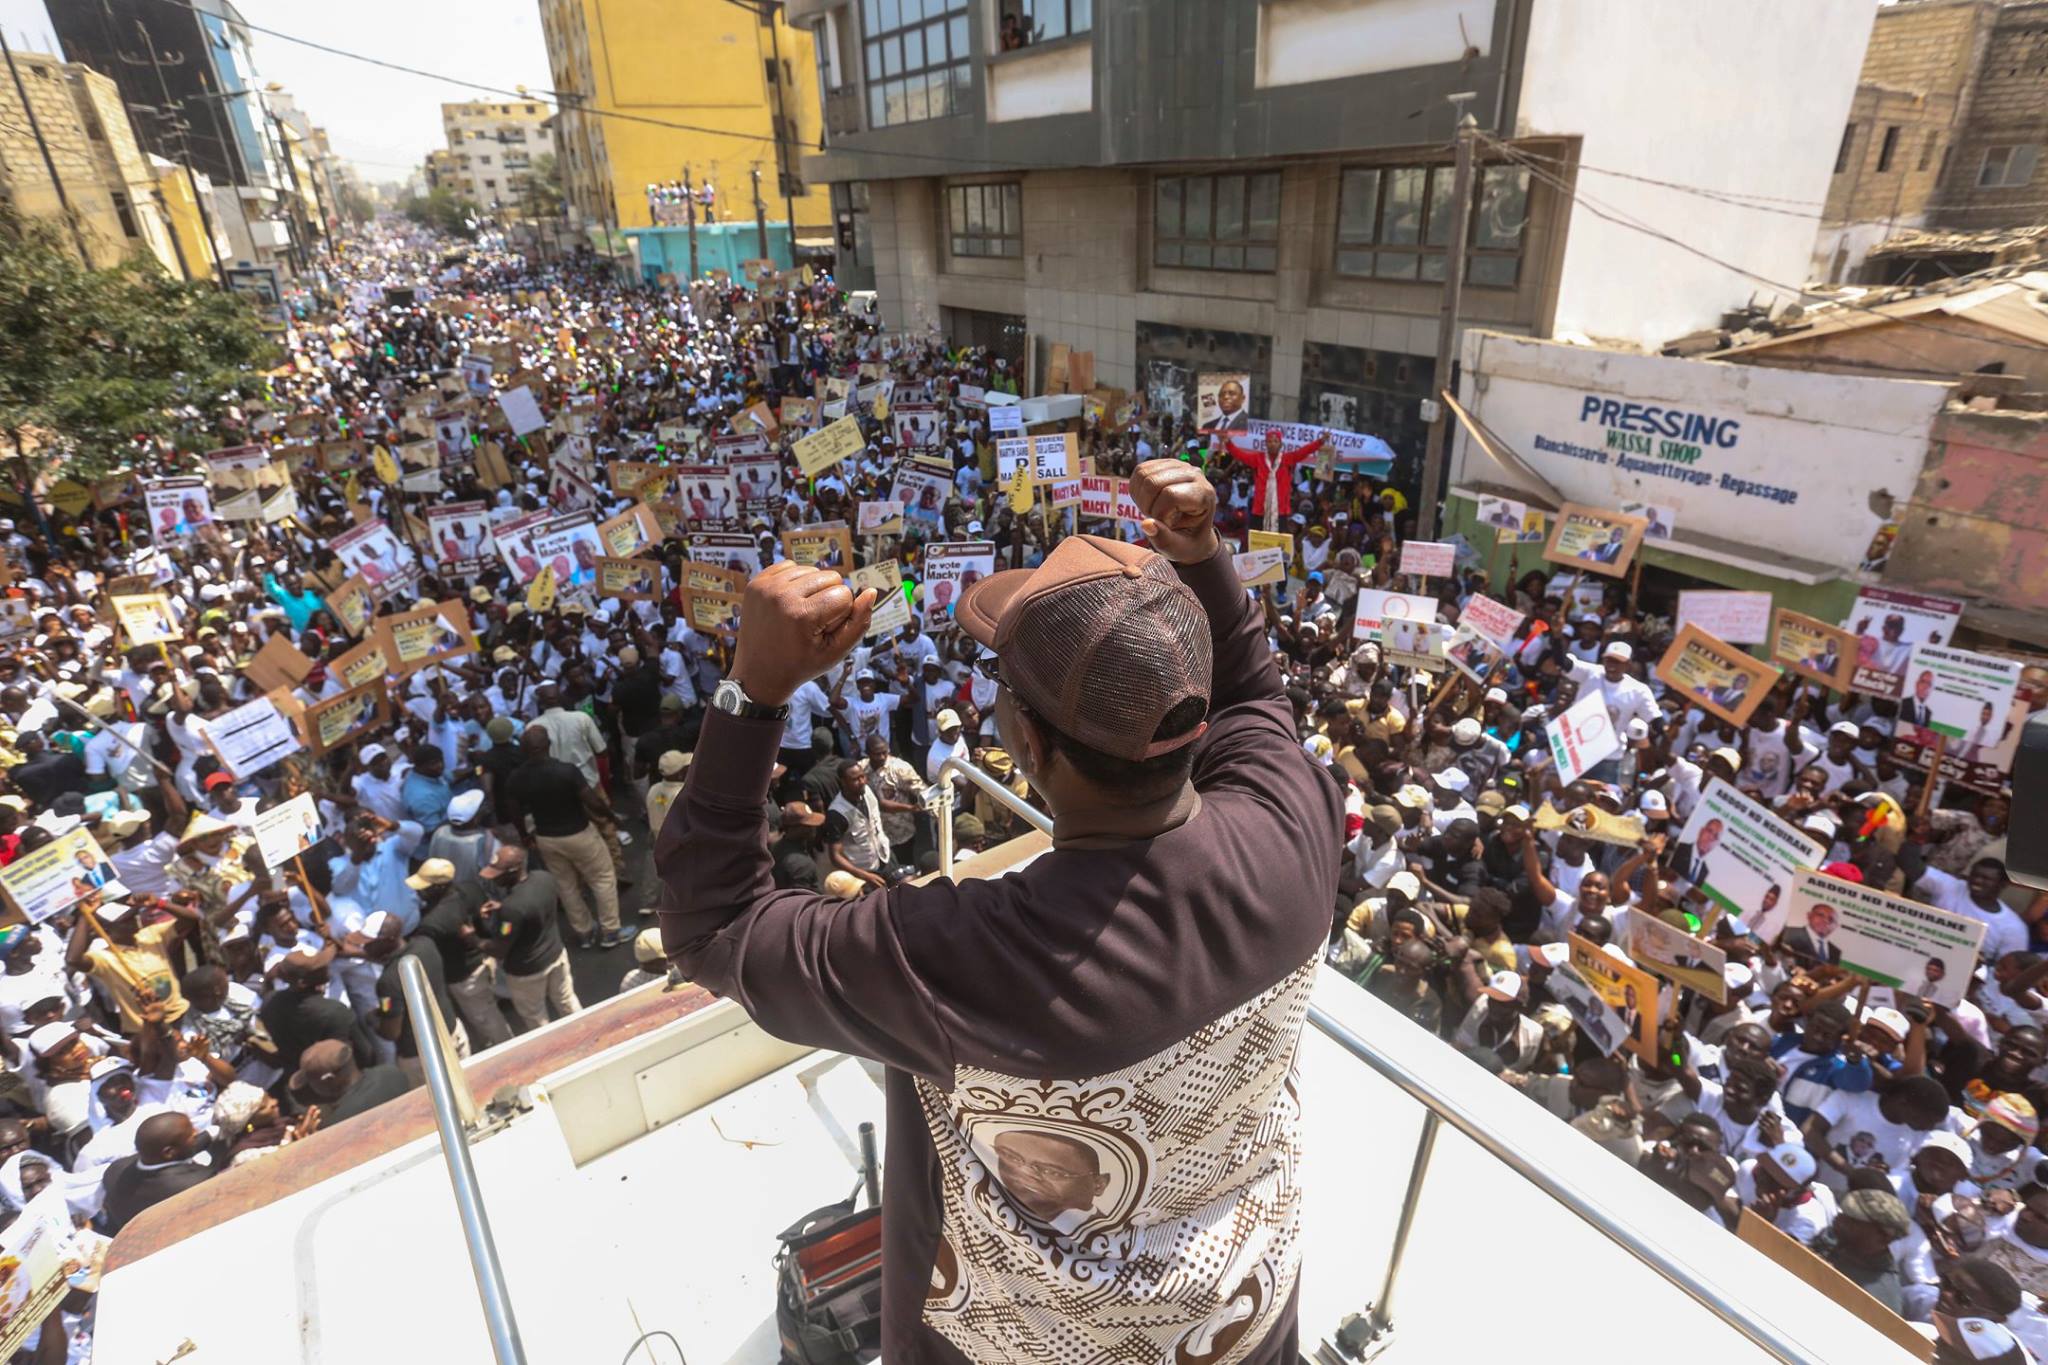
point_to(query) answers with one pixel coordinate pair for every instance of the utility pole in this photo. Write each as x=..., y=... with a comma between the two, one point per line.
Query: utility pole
x=760, y=217
x=1447, y=325
x=690, y=217
x=785, y=160
x=178, y=125
x=35, y=126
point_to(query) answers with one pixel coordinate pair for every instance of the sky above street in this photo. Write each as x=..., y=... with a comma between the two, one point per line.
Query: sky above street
x=384, y=121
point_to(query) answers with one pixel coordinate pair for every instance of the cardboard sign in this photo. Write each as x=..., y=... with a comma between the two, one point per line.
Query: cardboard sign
x=1375, y=607
x=328, y=724
x=710, y=578
x=522, y=413
x=178, y=507
x=1678, y=956
x=1887, y=625
x=286, y=831
x=1813, y=649
x=879, y=518
x=708, y=494
x=1716, y=676
x=1594, y=540
x=1743, y=857
x=949, y=569
x=1004, y=414
x=821, y=547
x=1429, y=558
x=40, y=1256
x=1491, y=620
x=1591, y=822
x=1597, y=1021
x=1417, y=644
x=365, y=664
x=1472, y=654
x=1959, y=697
x=1256, y=568
x=460, y=534
x=1581, y=737
x=629, y=580
x=629, y=477
x=1904, y=944
x=278, y=664
x=714, y=612
x=373, y=553
x=629, y=532
x=1052, y=456
x=146, y=619
x=1740, y=618
x=60, y=874
x=820, y=450
x=923, y=493
x=1628, y=990
x=740, y=554
x=252, y=737
x=425, y=635
x=892, y=608
x=1512, y=522
x=1063, y=493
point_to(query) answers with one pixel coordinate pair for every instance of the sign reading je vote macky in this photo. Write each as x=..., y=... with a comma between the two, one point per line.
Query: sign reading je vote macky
x=1780, y=460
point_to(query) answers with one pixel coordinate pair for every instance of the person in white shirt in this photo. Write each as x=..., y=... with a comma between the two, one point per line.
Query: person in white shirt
x=807, y=705
x=573, y=737
x=867, y=713
x=951, y=743
x=1977, y=896
x=380, y=785
x=1626, y=697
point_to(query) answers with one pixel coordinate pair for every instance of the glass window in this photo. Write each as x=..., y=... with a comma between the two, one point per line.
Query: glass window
x=1217, y=222
x=986, y=219
x=1409, y=208
x=1024, y=22
x=923, y=41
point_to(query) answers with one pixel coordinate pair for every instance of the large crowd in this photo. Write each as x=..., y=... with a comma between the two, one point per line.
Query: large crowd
x=184, y=998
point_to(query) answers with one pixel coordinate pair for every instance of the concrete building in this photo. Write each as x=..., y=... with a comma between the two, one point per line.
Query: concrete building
x=104, y=177
x=740, y=79
x=1945, y=134
x=191, y=70
x=1265, y=188
x=493, y=148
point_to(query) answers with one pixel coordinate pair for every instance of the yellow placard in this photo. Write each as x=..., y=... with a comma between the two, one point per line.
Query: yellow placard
x=540, y=593
x=147, y=620
x=413, y=639
x=362, y=665
x=386, y=467
x=352, y=605
x=1020, y=489
x=820, y=450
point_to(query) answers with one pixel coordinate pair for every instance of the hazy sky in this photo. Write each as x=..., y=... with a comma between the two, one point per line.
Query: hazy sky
x=384, y=121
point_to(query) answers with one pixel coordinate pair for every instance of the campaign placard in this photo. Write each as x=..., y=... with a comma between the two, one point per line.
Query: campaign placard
x=60, y=874
x=1628, y=990
x=629, y=580
x=1960, y=699
x=571, y=546
x=822, y=449
x=1052, y=456
x=1676, y=955
x=178, y=507
x=334, y=721
x=1594, y=540
x=1743, y=857
x=1429, y=558
x=630, y=532
x=425, y=635
x=146, y=618
x=1256, y=568
x=522, y=413
x=252, y=737
x=373, y=553
x=1813, y=649
x=37, y=1253
x=1920, y=949
x=1491, y=619
x=824, y=546
x=286, y=831
x=1375, y=606
x=1582, y=736
x=1887, y=625
x=892, y=608
x=460, y=533
x=1472, y=654
x=1740, y=618
x=922, y=492
x=1418, y=644
x=1597, y=1020
x=882, y=518
x=950, y=567
x=362, y=665
x=1512, y=522
x=1717, y=676
x=738, y=554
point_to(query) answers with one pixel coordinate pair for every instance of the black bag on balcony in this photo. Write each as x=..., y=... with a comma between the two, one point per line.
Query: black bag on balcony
x=828, y=1286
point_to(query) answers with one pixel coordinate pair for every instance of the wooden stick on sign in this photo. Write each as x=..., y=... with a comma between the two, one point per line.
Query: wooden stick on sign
x=1933, y=776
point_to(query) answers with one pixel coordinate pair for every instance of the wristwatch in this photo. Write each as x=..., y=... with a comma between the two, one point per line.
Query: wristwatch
x=732, y=699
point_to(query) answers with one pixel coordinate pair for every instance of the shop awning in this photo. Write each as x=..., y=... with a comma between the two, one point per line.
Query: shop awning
x=1524, y=483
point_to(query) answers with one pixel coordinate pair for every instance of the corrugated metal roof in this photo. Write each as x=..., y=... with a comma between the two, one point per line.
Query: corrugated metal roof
x=2012, y=305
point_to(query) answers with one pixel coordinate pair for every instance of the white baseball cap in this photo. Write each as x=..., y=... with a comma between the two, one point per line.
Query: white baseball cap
x=1503, y=985
x=1653, y=803
x=1406, y=884
x=1618, y=649
x=1845, y=727
x=1794, y=1161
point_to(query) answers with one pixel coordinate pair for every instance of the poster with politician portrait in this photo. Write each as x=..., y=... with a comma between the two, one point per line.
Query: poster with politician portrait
x=709, y=493
x=1223, y=402
x=1067, y=1174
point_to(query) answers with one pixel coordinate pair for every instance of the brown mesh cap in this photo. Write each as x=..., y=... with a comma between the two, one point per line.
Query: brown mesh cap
x=1101, y=640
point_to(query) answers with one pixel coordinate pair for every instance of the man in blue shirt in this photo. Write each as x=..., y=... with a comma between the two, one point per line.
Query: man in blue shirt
x=426, y=792
x=371, y=871
x=1816, y=1061
x=300, y=603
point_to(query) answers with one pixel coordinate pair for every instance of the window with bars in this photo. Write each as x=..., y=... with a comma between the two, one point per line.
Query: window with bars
x=916, y=54
x=1394, y=223
x=985, y=220
x=1217, y=222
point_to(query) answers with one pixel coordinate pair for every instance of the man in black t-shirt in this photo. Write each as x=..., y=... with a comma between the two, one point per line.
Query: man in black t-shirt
x=519, y=930
x=47, y=772
x=560, y=803
x=298, y=1014
x=448, y=916
x=384, y=944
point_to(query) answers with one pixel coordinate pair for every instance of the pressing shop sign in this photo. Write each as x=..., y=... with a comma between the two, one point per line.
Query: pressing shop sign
x=1786, y=462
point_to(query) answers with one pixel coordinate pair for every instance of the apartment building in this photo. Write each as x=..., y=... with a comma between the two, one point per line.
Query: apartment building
x=492, y=150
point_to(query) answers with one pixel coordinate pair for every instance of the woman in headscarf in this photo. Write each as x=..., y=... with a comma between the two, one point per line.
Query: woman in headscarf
x=250, y=1124
x=25, y=1175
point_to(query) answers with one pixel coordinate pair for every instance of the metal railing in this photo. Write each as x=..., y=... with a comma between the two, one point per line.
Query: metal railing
x=1440, y=1109
x=454, y=1111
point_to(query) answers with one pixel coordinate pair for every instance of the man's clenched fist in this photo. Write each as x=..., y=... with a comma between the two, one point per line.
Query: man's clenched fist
x=1177, y=510
x=795, y=623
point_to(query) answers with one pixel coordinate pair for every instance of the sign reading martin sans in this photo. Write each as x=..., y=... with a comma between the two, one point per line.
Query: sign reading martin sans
x=1782, y=461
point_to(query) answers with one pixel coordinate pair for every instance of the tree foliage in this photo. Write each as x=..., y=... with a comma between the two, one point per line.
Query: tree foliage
x=545, y=187
x=90, y=359
x=444, y=212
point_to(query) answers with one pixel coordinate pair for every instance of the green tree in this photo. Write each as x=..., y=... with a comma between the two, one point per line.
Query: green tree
x=442, y=211
x=544, y=192
x=90, y=359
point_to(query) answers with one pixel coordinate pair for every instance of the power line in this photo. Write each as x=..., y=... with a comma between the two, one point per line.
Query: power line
x=570, y=102
x=1621, y=219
